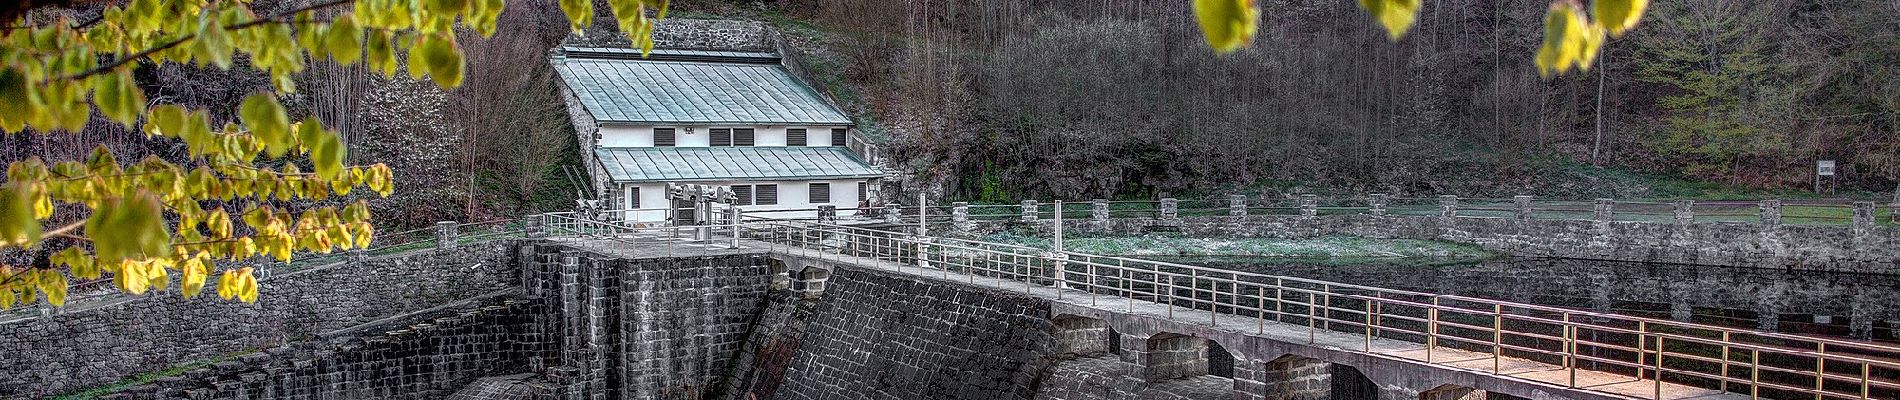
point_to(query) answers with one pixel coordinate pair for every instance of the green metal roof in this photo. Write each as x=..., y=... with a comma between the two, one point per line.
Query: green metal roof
x=657, y=164
x=617, y=88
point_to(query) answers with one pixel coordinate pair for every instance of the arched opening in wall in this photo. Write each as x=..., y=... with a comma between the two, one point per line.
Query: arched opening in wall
x=1173, y=355
x=1114, y=341
x=1219, y=362
x=1349, y=383
x=1081, y=336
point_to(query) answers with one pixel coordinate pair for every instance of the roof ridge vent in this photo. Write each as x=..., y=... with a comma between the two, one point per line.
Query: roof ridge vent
x=676, y=55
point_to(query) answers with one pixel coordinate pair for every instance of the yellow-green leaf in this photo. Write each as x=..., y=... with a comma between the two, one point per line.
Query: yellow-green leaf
x=1396, y=15
x=53, y=284
x=267, y=121
x=1566, y=37
x=1618, y=16
x=441, y=58
x=344, y=41
x=1228, y=24
x=580, y=13
x=16, y=101
x=18, y=225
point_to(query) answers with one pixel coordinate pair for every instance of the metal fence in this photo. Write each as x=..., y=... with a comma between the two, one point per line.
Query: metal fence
x=1759, y=364
x=1792, y=212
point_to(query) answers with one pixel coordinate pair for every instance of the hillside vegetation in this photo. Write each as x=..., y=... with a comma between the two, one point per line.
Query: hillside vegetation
x=999, y=99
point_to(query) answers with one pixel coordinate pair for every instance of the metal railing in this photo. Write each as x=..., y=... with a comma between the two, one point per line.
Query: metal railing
x=1758, y=364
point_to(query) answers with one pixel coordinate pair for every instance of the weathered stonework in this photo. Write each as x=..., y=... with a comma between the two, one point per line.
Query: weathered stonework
x=96, y=344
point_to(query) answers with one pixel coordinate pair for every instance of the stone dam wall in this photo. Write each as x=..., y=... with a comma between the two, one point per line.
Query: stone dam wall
x=1852, y=249
x=95, y=344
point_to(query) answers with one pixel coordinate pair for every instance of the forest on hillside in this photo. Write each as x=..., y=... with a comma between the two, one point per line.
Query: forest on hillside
x=998, y=99
x=1002, y=99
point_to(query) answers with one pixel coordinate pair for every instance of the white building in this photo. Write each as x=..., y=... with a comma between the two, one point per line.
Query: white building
x=710, y=117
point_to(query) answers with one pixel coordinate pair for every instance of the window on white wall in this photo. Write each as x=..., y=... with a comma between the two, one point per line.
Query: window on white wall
x=663, y=137
x=721, y=137
x=862, y=196
x=795, y=137
x=837, y=137
x=742, y=137
x=765, y=195
x=742, y=195
x=633, y=197
x=820, y=193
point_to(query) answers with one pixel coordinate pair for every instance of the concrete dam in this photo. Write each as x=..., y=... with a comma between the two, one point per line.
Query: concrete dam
x=801, y=310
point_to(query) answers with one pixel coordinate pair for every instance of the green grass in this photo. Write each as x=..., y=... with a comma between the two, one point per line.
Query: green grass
x=149, y=377
x=1329, y=247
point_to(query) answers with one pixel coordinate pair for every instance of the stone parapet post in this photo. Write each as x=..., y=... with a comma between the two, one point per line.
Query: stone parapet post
x=1863, y=216
x=1605, y=210
x=1447, y=206
x=1309, y=206
x=1170, y=209
x=1030, y=210
x=1771, y=213
x=1685, y=211
x=893, y=212
x=1098, y=210
x=1237, y=205
x=960, y=216
x=445, y=235
x=1375, y=204
x=1521, y=207
x=536, y=226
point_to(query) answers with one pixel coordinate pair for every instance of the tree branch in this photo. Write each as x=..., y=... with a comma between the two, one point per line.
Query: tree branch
x=122, y=61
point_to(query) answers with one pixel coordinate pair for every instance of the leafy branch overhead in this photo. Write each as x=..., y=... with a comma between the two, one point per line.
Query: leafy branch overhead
x=1572, y=37
x=229, y=197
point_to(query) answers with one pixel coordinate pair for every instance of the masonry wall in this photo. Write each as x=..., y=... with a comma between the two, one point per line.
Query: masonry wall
x=1796, y=247
x=1106, y=378
x=878, y=335
x=431, y=356
x=646, y=327
x=95, y=344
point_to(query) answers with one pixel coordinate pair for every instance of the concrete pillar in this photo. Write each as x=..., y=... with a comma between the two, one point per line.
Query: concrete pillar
x=1375, y=204
x=536, y=227
x=1863, y=217
x=1170, y=209
x=1098, y=210
x=1681, y=312
x=1685, y=211
x=1164, y=356
x=1309, y=206
x=1521, y=206
x=1081, y=336
x=1605, y=210
x=445, y=235
x=1250, y=380
x=1237, y=205
x=1029, y=211
x=893, y=213
x=1770, y=213
x=1447, y=206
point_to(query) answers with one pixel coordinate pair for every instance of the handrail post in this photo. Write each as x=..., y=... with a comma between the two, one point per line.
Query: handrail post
x=1312, y=317
x=1431, y=330
x=1368, y=314
x=1659, y=366
x=1754, y=374
x=734, y=215
x=1820, y=371
x=1570, y=349
x=1497, y=337
x=1260, y=320
x=1725, y=360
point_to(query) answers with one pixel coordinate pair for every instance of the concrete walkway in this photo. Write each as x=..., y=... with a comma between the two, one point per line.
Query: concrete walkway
x=1547, y=378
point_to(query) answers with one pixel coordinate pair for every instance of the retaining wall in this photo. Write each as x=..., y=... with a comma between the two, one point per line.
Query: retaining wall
x=92, y=345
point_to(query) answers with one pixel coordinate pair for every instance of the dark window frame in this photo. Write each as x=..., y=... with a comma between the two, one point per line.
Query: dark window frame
x=744, y=137
x=838, y=136
x=765, y=195
x=672, y=137
x=742, y=195
x=797, y=137
x=717, y=135
x=814, y=189
x=633, y=197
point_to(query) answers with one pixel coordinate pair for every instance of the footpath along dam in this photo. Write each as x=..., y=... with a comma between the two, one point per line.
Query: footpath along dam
x=768, y=309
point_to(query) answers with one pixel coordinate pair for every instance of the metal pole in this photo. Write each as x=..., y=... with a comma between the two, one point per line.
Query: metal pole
x=1312, y=316
x=1570, y=349
x=1062, y=270
x=1369, y=305
x=923, y=207
x=1431, y=329
x=1754, y=374
x=1725, y=361
x=1497, y=337
x=1659, y=366
x=1260, y=296
x=1820, y=371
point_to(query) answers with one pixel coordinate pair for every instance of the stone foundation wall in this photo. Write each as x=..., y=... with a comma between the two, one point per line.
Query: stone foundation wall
x=97, y=344
x=1796, y=247
x=647, y=327
x=879, y=335
x=1106, y=378
x=438, y=354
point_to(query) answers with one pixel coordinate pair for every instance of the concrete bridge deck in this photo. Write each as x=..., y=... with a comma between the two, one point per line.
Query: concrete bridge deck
x=1387, y=361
